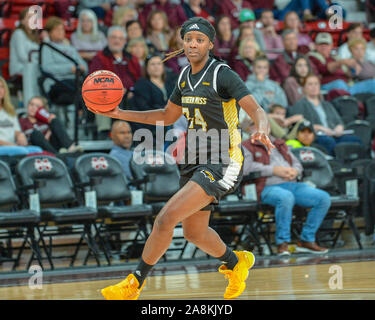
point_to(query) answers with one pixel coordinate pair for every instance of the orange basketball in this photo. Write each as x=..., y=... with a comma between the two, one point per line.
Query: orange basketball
x=102, y=91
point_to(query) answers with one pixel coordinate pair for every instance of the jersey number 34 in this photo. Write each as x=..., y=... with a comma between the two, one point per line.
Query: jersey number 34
x=197, y=119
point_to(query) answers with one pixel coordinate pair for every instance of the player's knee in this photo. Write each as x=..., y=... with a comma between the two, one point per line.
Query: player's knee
x=164, y=222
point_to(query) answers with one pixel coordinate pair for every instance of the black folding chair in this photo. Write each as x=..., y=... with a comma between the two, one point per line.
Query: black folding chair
x=321, y=175
x=162, y=177
x=369, y=198
x=16, y=221
x=347, y=107
x=61, y=213
x=113, y=187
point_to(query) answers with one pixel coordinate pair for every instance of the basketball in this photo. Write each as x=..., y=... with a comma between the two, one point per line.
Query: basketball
x=102, y=91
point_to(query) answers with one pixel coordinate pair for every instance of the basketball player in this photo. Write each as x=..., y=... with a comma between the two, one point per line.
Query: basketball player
x=208, y=93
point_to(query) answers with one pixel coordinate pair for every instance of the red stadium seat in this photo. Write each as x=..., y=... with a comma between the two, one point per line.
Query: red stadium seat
x=4, y=62
x=13, y=8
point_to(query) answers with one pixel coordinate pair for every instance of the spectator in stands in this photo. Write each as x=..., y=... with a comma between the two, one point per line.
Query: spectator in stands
x=23, y=41
x=265, y=91
x=336, y=73
x=152, y=91
x=138, y=48
x=292, y=22
x=247, y=20
x=327, y=123
x=193, y=8
x=305, y=9
x=59, y=66
x=88, y=39
x=371, y=47
x=43, y=129
x=272, y=40
x=117, y=4
x=292, y=85
x=245, y=32
x=281, y=126
x=133, y=30
x=174, y=11
x=281, y=67
x=279, y=188
x=115, y=58
x=158, y=31
x=232, y=9
x=225, y=40
x=123, y=15
x=63, y=8
x=100, y=7
x=122, y=137
x=12, y=140
x=305, y=135
x=176, y=43
x=354, y=31
x=248, y=52
x=365, y=69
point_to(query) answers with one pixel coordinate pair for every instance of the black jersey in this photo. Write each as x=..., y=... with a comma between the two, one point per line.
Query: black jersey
x=209, y=102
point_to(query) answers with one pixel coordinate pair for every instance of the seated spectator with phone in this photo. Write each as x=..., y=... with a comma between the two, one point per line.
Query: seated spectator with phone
x=43, y=129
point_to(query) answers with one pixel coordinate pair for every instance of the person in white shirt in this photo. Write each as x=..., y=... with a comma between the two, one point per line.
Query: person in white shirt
x=354, y=31
x=12, y=140
x=23, y=58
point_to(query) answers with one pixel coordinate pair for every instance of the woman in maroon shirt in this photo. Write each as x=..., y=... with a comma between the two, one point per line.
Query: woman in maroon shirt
x=224, y=38
x=248, y=51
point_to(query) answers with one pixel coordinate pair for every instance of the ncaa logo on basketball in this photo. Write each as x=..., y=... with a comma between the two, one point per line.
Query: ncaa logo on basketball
x=103, y=80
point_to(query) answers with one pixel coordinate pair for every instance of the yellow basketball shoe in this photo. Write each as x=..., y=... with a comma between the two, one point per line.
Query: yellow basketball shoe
x=238, y=275
x=125, y=290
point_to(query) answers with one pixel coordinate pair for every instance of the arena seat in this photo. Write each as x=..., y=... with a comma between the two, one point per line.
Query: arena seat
x=59, y=203
x=16, y=221
x=162, y=177
x=347, y=107
x=321, y=175
x=369, y=210
x=113, y=186
x=4, y=62
x=362, y=129
x=14, y=7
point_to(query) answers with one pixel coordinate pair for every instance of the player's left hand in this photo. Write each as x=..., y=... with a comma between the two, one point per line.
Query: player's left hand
x=263, y=138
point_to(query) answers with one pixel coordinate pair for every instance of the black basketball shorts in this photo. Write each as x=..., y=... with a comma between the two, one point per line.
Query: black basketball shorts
x=216, y=180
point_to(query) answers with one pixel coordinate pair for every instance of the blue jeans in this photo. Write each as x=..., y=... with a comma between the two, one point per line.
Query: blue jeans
x=18, y=150
x=329, y=143
x=299, y=6
x=365, y=86
x=284, y=196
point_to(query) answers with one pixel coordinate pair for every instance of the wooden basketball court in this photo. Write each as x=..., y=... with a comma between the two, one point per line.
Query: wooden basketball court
x=342, y=280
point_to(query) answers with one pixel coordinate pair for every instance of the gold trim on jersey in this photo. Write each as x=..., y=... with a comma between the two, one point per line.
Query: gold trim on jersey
x=231, y=119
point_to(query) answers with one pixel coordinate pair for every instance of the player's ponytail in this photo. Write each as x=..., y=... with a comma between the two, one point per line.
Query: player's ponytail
x=173, y=54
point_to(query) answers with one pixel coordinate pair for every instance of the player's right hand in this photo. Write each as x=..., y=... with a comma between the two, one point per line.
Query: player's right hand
x=112, y=114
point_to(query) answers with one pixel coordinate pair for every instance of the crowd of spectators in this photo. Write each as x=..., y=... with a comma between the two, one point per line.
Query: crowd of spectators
x=130, y=38
x=290, y=73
